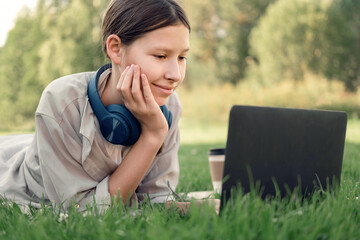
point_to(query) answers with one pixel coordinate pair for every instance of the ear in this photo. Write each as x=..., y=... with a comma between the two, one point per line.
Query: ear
x=113, y=48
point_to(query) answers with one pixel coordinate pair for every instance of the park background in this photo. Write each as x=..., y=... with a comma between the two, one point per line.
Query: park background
x=287, y=53
x=298, y=53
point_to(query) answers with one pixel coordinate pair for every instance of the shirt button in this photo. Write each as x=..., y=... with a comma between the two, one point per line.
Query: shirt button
x=77, y=206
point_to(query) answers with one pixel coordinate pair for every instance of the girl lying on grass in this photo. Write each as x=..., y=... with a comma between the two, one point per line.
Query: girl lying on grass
x=82, y=152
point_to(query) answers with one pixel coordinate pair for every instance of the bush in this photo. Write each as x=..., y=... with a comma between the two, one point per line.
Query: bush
x=295, y=37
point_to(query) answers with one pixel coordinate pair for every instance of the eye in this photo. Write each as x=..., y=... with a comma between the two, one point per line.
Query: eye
x=160, y=56
x=182, y=58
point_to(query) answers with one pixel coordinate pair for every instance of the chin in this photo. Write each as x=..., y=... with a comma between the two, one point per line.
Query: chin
x=161, y=101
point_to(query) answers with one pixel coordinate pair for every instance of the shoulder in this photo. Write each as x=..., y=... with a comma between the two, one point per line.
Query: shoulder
x=73, y=85
x=63, y=92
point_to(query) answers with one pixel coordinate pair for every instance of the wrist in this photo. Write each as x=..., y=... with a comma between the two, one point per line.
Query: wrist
x=153, y=138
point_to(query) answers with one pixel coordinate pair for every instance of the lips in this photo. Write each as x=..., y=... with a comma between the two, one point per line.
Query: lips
x=164, y=90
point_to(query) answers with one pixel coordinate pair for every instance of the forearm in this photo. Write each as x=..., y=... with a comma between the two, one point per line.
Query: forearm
x=126, y=178
x=137, y=97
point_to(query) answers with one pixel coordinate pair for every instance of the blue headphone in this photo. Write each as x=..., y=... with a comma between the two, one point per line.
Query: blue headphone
x=117, y=124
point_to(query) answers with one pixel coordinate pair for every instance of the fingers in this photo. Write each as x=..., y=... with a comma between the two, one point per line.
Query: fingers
x=148, y=96
x=136, y=86
x=138, y=98
x=130, y=87
x=125, y=84
x=120, y=87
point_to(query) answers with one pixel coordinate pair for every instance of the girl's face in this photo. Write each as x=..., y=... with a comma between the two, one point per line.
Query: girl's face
x=161, y=55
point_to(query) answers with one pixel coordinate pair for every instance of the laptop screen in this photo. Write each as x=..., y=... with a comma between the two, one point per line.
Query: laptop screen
x=276, y=150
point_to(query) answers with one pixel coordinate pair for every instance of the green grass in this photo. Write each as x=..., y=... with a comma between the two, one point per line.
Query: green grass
x=322, y=217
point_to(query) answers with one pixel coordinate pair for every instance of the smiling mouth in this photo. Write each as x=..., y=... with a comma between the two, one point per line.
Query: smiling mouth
x=166, y=90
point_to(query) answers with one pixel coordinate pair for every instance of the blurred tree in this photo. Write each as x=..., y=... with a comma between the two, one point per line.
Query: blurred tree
x=341, y=47
x=288, y=38
x=319, y=36
x=18, y=69
x=74, y=43
x=60, y=37
x=221, y=34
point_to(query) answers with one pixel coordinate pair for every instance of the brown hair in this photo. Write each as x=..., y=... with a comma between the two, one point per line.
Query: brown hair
x=131, y=19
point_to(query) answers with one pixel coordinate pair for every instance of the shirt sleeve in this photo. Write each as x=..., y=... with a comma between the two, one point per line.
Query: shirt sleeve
x=59, y=148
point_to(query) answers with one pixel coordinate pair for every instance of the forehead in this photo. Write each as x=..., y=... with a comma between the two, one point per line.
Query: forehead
x=170, y=37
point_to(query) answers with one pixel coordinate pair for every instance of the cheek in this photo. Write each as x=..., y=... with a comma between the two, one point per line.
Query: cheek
x=150, y=71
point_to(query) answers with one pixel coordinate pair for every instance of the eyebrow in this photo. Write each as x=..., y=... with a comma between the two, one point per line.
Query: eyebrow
x=170, y=50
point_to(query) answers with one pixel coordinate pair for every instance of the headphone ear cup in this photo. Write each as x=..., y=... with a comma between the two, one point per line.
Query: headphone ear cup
x=117, y=124
x=120, y=126
x=109, y=127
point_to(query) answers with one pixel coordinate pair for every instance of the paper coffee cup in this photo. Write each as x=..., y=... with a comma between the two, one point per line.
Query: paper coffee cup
x=216, y=164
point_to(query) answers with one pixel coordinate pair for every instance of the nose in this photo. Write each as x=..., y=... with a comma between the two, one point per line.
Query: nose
x=173, y=71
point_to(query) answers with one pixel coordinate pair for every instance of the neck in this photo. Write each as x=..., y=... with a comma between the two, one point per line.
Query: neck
x=110, y=95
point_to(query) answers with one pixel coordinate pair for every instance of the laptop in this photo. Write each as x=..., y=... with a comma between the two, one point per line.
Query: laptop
x=277, y=150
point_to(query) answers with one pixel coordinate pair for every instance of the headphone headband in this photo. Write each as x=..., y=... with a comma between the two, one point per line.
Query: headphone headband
x=93, y=93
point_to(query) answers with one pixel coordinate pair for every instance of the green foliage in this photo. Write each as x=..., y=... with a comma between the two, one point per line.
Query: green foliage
x=295, y=37
x=342, y=48
x=57, y=38
x=206, y=107
x=220, y=36
x=233, y=41
x=73, y=43
x=21, y=89
x=287, y=40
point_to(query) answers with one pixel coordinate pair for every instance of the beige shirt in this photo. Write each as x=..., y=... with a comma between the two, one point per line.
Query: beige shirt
x=67, y=161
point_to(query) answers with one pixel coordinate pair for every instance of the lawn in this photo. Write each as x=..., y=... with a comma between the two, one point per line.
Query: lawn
x=322, y=217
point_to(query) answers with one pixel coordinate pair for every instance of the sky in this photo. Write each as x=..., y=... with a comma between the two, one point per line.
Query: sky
x=8, y=12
